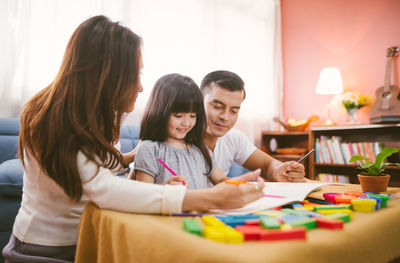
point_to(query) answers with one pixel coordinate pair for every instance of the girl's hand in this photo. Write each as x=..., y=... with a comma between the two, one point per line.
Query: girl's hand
x=176, y=180
x=290, y=172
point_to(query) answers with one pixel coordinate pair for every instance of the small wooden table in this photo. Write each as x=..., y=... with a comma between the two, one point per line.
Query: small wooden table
x=111, y=236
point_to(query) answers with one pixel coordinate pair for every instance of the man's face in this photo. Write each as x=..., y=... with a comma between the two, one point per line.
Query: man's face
x=222, y=109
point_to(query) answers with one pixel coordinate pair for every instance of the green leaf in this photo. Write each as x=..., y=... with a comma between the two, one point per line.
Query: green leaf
x=386, y=152
x=356, y=158
x=366, y=165
x=394, y=164
x=373, y=170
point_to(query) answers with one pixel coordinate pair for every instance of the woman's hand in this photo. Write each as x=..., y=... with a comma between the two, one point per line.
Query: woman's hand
x=290, y=172
x=225, y=196
x=230, y=196
x=130, y=156
x=177, y=180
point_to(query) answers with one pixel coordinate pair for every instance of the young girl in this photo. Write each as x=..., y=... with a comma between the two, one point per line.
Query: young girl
x=67, y=138
x=173, y=129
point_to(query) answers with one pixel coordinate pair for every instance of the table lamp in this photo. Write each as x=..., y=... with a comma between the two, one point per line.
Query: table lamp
x=329, y=83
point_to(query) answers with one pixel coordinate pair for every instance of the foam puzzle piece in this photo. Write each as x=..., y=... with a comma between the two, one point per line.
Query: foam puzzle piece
x=191, y=226
x=213, y=233
x=231, y=235
x=383, y=197
x=223, y=234
x=355, y=193
x=269, y=222
x=341, y=216
x=362, y=204
x=299, y=233
x=252, y=222
x=250, y=232
x=290, y=217
x=211, y=221
x=328, y=212
x=329, y=223
x=344, y=199
x=308, y=223
x=331, y=207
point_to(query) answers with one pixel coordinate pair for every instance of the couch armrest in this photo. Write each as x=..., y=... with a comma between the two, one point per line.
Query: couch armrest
x=11, y=173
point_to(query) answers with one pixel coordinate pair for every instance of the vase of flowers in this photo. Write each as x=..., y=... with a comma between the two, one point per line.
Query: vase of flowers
x=352, y=101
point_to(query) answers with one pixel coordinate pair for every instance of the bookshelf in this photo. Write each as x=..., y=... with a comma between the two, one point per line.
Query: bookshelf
x=366, y=137
x=286, y=146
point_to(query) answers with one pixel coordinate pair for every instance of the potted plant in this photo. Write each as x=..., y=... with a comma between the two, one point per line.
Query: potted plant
x=372, y=178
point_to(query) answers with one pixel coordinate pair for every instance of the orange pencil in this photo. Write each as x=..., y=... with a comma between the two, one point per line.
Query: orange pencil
x=235, y=182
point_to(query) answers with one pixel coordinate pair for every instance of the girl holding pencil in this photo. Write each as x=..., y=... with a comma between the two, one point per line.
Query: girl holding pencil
x=172, y=128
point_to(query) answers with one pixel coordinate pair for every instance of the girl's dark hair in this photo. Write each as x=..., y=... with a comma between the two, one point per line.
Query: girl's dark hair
x=174, y=93
x=81, y=109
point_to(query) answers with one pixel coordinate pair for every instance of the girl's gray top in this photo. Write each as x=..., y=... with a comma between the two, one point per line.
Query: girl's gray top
x=184, y=162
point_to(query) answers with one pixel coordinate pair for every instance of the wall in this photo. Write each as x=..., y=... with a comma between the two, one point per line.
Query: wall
x=351, y=35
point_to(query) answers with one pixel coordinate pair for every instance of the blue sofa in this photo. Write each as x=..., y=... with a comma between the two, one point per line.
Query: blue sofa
x=11, y=171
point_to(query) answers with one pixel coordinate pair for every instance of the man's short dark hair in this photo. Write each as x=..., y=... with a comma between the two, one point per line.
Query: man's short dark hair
x=224, y=79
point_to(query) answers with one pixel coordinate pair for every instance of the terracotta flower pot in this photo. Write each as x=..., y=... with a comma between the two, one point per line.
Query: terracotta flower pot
x=375, y=184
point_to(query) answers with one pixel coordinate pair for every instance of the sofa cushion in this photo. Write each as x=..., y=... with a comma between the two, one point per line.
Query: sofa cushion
x=129, y=137
x=11, y=173
x=9, y=129
x=8, y=147
x=9, y=126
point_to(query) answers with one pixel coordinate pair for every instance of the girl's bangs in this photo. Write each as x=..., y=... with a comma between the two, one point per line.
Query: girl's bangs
x=189, y=102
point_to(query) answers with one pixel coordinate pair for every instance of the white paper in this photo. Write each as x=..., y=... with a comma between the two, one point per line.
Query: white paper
x=292, y=192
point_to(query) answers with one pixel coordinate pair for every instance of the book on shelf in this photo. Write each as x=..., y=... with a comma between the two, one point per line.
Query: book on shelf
x=346, y=152
x=333, y=150
x=337, y=150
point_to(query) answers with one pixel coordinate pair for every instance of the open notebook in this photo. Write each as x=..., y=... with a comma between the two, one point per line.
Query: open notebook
x=292, y=192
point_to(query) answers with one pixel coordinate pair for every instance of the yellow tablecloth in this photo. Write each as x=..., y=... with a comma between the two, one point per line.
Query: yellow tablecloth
x=110, y=236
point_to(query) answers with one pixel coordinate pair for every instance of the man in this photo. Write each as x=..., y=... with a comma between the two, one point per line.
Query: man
x=223, y=93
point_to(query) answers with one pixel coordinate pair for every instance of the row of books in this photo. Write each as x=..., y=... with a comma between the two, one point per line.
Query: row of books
x=333, y=150
x=333, y=178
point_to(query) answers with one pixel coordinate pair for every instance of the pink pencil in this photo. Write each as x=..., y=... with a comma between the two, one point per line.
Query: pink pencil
x=169, y=169
x=275, y=196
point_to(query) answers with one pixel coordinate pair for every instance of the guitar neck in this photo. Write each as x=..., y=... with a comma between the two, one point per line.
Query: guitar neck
x=388, y=74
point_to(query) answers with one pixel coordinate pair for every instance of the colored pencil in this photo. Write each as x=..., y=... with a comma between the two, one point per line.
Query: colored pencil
x=169, y=169
x=275, y=196
x=235, y=182
x=305, y=156
x=193, y=214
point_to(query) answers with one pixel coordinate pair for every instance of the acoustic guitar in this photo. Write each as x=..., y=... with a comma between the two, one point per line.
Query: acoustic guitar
x=386, y=108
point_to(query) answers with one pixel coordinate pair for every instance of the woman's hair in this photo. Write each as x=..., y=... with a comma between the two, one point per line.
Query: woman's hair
x=174, y=93
x=81, y=110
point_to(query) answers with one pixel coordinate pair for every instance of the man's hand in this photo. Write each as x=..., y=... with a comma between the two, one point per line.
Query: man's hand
x=290, y=172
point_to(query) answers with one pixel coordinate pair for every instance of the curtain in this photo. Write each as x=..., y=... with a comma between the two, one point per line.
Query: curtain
x=190, y=37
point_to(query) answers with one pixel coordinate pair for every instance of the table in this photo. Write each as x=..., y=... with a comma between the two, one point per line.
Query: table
x=111, y=236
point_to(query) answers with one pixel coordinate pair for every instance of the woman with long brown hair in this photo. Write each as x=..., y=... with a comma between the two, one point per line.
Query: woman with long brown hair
x=69, y=147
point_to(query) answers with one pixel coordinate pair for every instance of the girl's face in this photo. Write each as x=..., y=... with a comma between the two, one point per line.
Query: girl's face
x=179, y=124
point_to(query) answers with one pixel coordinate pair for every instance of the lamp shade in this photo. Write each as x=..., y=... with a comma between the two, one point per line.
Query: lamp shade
x=329, y=82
